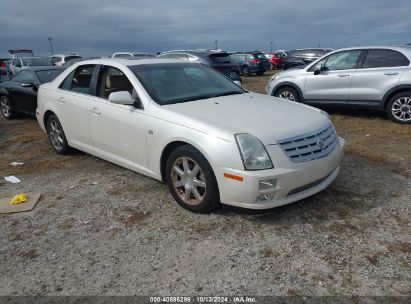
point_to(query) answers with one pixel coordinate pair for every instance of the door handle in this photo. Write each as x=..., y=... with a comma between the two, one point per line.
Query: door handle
x=95, y=111
x=343, y=75
x=391, y=73
x=61, y=99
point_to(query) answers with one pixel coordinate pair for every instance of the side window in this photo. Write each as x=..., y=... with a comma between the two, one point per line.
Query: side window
x=24, y=77
x=79, y=80
x=384, y=58
x=343, y=60
x=113, y=80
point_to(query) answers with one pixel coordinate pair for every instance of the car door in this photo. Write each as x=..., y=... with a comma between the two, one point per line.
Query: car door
x=379, y=71
x=23, y=91
x=332, y=84
x=118, y=131
x=72, y=106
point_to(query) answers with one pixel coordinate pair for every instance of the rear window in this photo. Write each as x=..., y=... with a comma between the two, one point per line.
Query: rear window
x=35, y=62
x=47, y=75
x=260, y=56
x=221, y=58
x=72, y=57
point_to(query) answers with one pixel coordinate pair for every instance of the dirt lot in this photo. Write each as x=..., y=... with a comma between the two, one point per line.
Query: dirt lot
x=101, y=229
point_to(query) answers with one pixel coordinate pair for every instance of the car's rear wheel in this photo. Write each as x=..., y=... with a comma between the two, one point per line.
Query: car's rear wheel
x=288, y=93
x=399, y=108
x=191, y=180
x=6, y=108
x=245, y=71
x=56, y=135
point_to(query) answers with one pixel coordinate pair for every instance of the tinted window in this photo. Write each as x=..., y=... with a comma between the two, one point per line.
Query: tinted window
x=35, y=62
x=123, y=56
x=384, y=58
x=183, y=82
x=343, y=60
x=47, y=75
x=79, y=80
x=24, y=77
x=220, y=58
x=72, y=57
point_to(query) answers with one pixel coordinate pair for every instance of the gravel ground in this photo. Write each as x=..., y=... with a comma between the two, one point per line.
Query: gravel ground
x=103, y=230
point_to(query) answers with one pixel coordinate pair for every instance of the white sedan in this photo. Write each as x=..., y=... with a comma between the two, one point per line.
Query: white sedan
x=191, y=127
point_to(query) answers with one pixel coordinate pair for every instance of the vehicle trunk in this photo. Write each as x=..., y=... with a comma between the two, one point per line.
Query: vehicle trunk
x=223, y=63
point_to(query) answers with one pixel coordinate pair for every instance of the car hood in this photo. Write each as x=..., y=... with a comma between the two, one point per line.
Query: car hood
x=269, y=118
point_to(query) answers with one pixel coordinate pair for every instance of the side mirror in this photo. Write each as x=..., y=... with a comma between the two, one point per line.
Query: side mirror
x=321, y=69
x=121, y=97
x=30, y=85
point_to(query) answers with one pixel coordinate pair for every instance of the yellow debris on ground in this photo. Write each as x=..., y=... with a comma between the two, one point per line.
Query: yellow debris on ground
x=18, y=199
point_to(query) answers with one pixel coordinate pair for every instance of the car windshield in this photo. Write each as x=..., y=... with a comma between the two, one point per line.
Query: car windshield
x=48, y=75
x=169, y=83
x=35, y=62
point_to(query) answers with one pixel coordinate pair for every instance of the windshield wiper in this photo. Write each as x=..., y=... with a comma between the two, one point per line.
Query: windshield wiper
x=227, y=93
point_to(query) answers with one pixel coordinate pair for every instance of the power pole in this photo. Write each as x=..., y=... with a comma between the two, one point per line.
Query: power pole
x=271, y=43
x=50, y=39
x=216, y=44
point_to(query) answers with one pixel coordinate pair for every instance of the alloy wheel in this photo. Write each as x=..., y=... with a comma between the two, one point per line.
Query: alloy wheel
x=401, y=109
x=5, y=107
x=188, y=180
x=287, y=95
x=56, y=134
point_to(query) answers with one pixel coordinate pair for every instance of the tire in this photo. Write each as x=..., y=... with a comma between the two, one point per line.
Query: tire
x=245, y=71
x=56, y=136
x=288, y=93
x=399, y=108
x=6, y=108
x=260, y=73
x=202, y=194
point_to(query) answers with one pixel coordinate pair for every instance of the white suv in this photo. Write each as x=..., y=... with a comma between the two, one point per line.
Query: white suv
x=370, y=77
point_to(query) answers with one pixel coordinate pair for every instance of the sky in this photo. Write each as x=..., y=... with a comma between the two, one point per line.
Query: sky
x=101, y=27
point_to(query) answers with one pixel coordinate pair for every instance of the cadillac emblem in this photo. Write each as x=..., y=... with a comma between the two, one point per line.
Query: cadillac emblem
x=320, y=143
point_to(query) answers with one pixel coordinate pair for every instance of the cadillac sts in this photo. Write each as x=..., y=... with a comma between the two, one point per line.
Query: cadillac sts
x=191, y=127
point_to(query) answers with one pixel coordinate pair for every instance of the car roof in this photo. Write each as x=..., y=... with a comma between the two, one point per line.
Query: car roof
x=406, y=49
x=43, y=68
x=127, y=62
x=203, y=52
x=64, y=55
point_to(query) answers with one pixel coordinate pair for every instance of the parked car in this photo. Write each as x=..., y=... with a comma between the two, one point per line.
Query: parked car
x=60, y=59
x=276, y=59
x=3, y=69
x=218, y=60
x=19, y=94
x=19, y=63
x=368, y=77
x=252, y=62
x=133, y=55
x=302, y=57
x=188, y=125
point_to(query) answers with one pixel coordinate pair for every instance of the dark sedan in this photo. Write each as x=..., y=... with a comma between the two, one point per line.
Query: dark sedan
x=19, y=94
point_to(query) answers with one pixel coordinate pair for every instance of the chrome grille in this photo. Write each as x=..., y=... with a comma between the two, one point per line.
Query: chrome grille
x=311, y=145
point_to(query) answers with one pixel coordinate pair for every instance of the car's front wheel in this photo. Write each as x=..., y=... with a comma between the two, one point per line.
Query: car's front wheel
x=56, y=135
x=399, y=108
x=288, y=93
x=191, y=180
x=6, y=107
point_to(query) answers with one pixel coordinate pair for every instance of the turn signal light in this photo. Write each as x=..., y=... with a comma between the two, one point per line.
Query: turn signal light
x=235, y=177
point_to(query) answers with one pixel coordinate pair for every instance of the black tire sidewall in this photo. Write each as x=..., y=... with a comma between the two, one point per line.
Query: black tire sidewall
x=291, y=90
x=212, y=197
x=65, y=148
x=246, y=71
x=389, y=106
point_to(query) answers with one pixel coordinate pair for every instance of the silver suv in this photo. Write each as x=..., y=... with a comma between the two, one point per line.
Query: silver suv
x=370, y=77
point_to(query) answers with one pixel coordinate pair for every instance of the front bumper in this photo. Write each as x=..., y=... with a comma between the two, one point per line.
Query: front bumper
x=293, y=181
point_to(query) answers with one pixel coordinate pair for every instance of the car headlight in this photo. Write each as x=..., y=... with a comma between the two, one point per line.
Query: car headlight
x=253, y=152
